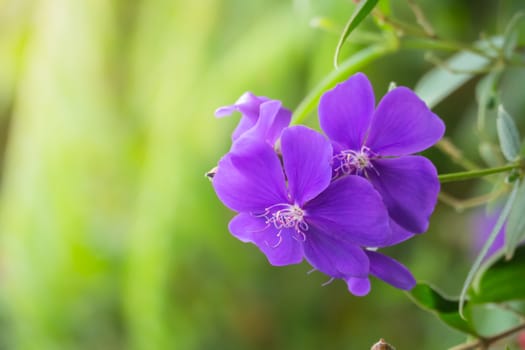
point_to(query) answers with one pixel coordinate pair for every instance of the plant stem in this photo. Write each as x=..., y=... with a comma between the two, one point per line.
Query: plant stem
x=422, y=19
x=351, y=65
x=419, y=38
x=474, y=174
x=446, y=146
x=460, y=205
x=485, y=342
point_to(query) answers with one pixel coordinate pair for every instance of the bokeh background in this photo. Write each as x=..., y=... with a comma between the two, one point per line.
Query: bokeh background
x=110, y=235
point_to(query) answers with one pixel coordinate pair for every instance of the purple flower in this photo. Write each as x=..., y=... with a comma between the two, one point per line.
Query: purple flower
x=255, y=109
x=377, y=143
x=298, y=212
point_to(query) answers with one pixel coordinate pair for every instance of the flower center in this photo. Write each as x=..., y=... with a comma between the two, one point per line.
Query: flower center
x=353, y=162
x=284, y=215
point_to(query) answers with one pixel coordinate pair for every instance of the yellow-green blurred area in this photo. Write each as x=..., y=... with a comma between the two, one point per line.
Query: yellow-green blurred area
x=110, y=235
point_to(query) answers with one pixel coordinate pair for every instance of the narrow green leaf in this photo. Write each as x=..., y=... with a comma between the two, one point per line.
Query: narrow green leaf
x=515, y=231
x=444, y=308
x=487, y=96
x=482, y=254
x=362, y=10
x=503, y=281
x=509, y=138
x=510, y=37
x=440, y=82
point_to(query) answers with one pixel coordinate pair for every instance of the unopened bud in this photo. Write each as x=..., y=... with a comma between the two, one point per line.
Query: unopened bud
x=382, y=345
x=210, y=174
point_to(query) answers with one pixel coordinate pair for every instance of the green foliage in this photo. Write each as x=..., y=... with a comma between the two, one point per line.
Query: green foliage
x=440, y=82
x=509, y=137
x=487, y=244
x=515, y=232
x=511, y=34
x=498, y=283
x=446, y=309
x=110, y=237
x=486, y=94
x=362, y=10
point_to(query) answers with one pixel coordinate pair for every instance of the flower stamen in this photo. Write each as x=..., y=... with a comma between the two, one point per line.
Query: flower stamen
x=284, y=215
x=351, y=162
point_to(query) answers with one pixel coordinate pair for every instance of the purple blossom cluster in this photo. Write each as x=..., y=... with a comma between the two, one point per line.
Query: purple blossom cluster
x=332, y=200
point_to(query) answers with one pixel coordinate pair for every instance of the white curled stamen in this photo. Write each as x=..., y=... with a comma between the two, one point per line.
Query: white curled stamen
x=354, y=162
x=328, y=282
x=284, y=215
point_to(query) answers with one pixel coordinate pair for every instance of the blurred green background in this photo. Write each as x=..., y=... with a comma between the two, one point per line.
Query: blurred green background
x=110, y=235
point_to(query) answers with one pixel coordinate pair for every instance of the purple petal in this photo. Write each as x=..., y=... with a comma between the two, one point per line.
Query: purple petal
x=272, y=120
x=248, y=105
x=250, y=178
x=306, y=157
x=345, y=112
x=246, y=227
x=336, y=258
x=281, y=121
x=358, y=286
x=351, y=210
x=244, y=125
x=403, y=124
x=409, y=186
x=281, y=247
x=399, y=234
x=390, y=271
x=251, y=108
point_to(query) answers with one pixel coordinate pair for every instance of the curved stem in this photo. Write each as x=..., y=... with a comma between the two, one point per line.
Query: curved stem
x=348, y=67
x=421, y=19
x=460, y=205
x=474, y=174
x=485, y=342
x=446, y=146
x=414, y=34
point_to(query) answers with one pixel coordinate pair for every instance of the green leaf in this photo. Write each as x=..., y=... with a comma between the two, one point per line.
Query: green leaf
x=487, y=95
x=488, y=243
x=509, y=138
x=444, y=308
x=503, y=281
x=362, y=10
x=511, y=34
x=440, y=82
x=515, y=231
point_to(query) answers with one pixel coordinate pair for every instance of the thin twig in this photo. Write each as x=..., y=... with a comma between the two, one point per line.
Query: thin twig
x=402, y=29
x=484, y=343
x=460, y=205
x=446, y=146
x=421, y=19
